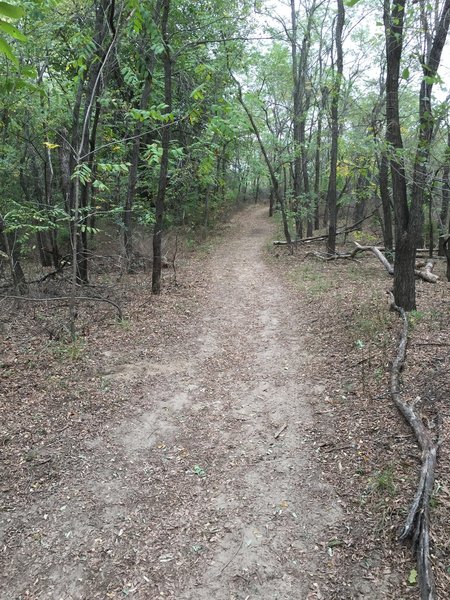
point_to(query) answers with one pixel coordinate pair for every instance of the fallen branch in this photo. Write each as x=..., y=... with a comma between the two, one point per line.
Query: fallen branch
x=425, y=273
x=319, y=238
x=94, y=298
x=377, y=252
x=277, y=435
x=417, y=524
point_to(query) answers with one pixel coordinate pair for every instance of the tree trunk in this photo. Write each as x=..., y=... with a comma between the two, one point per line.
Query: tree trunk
x=409, y=216
x=257, y=190
x=135, y=153
x=297, y=163
x=447, y=254
x=9, y=246
x=271, y=202
x=383, y=170
x=332, y=191
x=443, y=217
x=164, y=167
x=405, y=250
x=89, y=88
x=275, y=184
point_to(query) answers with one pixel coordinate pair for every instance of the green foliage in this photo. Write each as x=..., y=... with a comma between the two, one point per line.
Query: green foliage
x=73, y=350
x=414, y=317
x=11, y=12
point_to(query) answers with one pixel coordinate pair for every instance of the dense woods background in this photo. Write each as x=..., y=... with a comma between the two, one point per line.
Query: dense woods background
x=126, y=116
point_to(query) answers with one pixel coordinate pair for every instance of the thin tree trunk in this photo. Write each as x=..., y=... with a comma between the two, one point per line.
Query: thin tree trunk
x=164, y=167
x=405, y=251
x=383, y=170
x=317, y=173
x=332, y=190
x=135, y=154
x=443, y=217
x=8, y=245
x=275, y=184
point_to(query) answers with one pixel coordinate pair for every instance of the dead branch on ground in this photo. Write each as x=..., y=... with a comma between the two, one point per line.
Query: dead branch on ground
x=57, y=298
x=425, y=273
x=417, y=524
x=319, y=238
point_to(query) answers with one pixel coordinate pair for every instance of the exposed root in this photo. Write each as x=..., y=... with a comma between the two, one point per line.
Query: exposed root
x=417, y=524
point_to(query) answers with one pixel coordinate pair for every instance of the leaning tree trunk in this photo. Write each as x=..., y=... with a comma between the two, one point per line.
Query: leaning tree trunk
x=164, y=166
x=273, y=178
x=80, y=155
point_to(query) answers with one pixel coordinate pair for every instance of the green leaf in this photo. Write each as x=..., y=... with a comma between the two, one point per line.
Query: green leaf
x=6, y=49
x=412, y=579
x=351, y=2
x=199, y=471
x=405, y=73
x=28, y=71
x=12, y=31
x=13, y=12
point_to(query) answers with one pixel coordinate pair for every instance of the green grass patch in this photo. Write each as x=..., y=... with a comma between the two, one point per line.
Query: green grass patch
x=310, y=280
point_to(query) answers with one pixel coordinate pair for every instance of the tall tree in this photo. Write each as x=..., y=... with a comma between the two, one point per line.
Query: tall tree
x=165, y=143
x=409, y=211
x=335, y=97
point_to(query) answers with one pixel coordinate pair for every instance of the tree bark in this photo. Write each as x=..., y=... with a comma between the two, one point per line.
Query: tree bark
x=383, y=171
x=443, y=217
x=332, y=190
x=409, y=216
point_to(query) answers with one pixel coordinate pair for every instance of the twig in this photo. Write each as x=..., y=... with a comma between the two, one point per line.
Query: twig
x=317, y=238
x=334, y=449
x=277, y=435
x=231, y=559
x=430, y=344
x=95, y=298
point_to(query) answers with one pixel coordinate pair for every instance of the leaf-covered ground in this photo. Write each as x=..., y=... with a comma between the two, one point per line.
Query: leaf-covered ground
x=232, y=438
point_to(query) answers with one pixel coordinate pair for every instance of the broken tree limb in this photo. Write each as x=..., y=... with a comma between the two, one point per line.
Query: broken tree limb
x=417, y=524
x=425, y=273
x=319, y=238
x=377, y=252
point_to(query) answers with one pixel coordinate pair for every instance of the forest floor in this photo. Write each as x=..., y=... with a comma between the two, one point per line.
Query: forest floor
x=232, y=438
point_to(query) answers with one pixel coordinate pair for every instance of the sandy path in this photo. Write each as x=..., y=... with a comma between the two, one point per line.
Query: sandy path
x=194, y=497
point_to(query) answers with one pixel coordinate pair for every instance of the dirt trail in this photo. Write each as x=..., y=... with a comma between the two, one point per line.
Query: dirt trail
x=195, y=496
